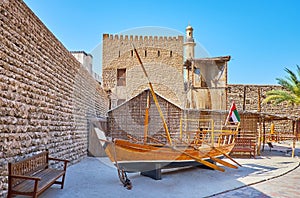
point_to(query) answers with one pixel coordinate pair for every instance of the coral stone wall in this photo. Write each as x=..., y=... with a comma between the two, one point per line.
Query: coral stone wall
x=46, y=97
x=161, y=56
x=248, y=97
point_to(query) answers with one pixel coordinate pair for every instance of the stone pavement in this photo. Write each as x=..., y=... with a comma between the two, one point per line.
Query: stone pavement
x=285, y=185
x=274, y=174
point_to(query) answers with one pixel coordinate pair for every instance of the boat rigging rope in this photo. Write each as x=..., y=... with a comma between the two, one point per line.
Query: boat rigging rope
x=124, y=179
x=121, y=172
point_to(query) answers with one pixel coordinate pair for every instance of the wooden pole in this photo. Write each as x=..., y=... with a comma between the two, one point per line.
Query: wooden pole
x=259, y=136
x=244, y=99
x=154, y=98
x=146, y=123
x=294, y=139
x=264, y=135
x=259, y=100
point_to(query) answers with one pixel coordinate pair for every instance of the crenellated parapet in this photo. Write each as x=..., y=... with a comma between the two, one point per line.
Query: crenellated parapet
x=117, y=38
x=120, y=47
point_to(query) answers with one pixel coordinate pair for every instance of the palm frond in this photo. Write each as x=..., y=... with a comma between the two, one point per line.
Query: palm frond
x=285, y=84
x=279, y=96
x=291, y=92
x=292, y=77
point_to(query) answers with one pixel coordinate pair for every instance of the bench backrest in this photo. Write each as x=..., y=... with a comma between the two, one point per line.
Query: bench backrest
x=29, y=165
x=243, y=142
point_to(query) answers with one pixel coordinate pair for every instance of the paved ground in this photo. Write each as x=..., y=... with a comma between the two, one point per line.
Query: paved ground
x=274, y=174
x=286, y=186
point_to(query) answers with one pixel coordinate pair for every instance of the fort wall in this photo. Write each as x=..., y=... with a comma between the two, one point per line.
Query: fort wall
x=160, y=55
x=47, y=98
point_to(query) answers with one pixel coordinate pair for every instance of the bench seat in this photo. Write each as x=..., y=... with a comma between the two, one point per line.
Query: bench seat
x=45, y=177
x=32, y=176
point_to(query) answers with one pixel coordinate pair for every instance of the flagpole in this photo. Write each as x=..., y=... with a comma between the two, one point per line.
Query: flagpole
x=228, y=114
x=233, y=114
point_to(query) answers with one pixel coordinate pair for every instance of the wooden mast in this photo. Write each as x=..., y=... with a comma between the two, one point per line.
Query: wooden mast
x=146, y=123
x=154, y=98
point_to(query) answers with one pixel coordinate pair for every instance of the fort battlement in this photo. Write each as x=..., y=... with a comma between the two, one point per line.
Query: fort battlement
x=116, y=37
x=119, y=47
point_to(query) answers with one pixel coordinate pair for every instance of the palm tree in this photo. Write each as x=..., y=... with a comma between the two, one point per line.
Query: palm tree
x=291, y=91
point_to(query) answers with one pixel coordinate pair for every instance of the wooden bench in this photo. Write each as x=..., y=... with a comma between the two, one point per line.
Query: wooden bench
x=244, y=145
x=32, y=176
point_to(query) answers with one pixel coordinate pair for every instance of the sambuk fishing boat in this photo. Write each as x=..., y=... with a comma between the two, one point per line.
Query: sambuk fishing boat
x=200, y=141
x=204, y=146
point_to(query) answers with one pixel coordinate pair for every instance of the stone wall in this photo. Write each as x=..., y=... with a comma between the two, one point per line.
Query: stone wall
x=46, y=97
x=248, y=98
x=161, y=56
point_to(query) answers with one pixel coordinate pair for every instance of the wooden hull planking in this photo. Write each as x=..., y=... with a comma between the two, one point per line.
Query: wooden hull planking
x=134, y=157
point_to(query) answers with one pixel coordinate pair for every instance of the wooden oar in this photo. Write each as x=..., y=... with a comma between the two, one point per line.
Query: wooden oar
x=226, y=155
x=206, y=163
x=213, y=158
x=223, y=162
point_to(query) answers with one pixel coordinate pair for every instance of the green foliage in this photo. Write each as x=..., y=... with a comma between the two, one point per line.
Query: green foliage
x=291, y=92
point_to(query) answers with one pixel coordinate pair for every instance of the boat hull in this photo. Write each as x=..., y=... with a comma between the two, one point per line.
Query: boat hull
x=132, y=157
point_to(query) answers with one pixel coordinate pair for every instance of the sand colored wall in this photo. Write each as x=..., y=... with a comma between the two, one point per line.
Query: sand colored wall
x=248, y=97
x=161, y=56
x=46, y=97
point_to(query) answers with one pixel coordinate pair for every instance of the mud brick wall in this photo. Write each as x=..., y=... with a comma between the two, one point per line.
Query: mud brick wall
x=46, y=97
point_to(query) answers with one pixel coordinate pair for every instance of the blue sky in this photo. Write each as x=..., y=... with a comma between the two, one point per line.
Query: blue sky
x=261, y=36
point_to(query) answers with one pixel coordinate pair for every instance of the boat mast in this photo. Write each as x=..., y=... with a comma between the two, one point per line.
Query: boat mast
x=154, y=98
x=146, y=123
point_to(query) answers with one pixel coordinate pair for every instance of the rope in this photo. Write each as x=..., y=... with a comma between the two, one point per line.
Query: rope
x=121, y=173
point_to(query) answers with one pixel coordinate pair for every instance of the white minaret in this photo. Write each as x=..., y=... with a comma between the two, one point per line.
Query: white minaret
x=189, y=56
x=189, y=44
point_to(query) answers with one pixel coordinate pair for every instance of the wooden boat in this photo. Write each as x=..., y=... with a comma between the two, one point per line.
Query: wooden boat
x=202, y=147
x=139, y=157
x=206, y=144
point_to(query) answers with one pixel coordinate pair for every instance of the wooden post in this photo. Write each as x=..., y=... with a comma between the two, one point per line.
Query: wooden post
x=244, y=99
x=264, y=134
x=294, y=139
x=146, y=122
x=259, y=136
x=259, y=101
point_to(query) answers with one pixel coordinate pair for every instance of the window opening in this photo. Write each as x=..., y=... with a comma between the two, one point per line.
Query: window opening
x=121, y=77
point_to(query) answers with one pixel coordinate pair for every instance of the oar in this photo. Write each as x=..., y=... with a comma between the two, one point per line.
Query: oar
x=226, y=155
x=206, y=163
x=223, y=162
x=213, y=158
